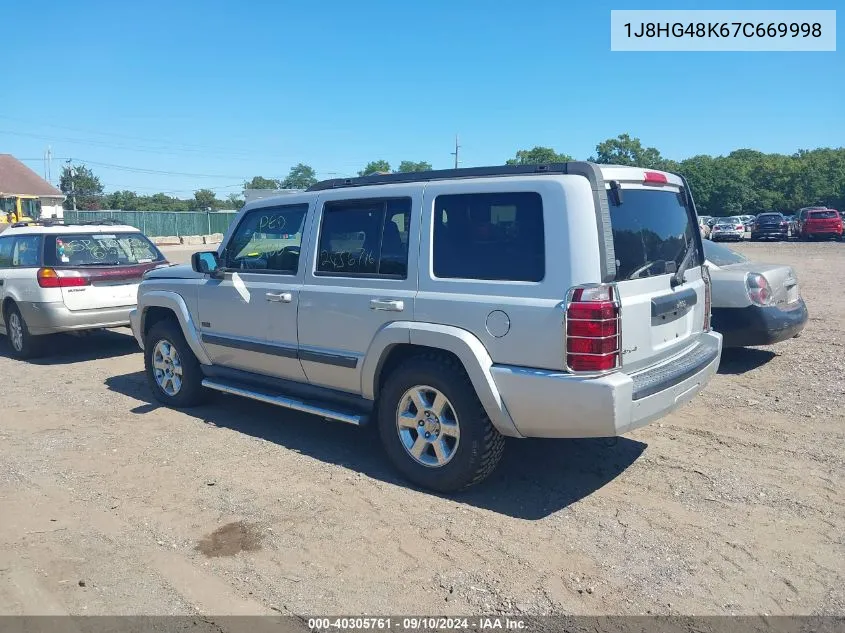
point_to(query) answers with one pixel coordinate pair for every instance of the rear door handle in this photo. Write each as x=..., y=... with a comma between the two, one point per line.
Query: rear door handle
x=388, y=305
x=279, y=297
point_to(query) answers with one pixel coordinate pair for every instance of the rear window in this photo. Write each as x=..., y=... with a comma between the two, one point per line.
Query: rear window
x=721, y=255
x=823, y=215
x=651, y=233
x=729, y=221
x=99, y=249
x=770, y=216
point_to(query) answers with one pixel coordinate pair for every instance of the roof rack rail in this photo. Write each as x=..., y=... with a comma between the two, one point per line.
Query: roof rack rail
x=450, y=174
x=47, y=222
x=62, y=222
x=111, y=221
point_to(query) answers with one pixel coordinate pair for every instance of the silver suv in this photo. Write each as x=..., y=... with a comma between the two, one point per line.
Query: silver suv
x=449, y=308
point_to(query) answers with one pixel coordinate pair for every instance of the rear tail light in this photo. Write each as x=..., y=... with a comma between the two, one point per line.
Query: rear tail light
x=740, y=226
x=705, y=274
x=592, y=329
x=52, y=278
x=758, y=289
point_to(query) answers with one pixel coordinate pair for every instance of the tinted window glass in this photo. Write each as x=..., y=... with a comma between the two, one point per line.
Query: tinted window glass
x=770, y=217
x=268, y=239
x=491, y=236
x=99, y=249
x=721, y=255
x=6, y=244
x=651, y=233
x=26, y=251
x=823, y=215
x=365, y=238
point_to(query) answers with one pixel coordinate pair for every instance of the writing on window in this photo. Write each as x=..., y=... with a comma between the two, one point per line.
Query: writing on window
x=268, y=239
x=365, y=238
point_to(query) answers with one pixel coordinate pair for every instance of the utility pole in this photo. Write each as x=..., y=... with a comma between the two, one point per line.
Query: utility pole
x=50, y=164
x=72, y=190
x=455, y=153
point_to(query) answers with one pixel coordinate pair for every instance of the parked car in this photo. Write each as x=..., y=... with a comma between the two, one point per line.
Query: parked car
x=753, y=303
x=790, y=219
x=57, y=277
x=817, y=223
x=770, y=226
x=449, y=308
x=731, y=228
x=747, y=222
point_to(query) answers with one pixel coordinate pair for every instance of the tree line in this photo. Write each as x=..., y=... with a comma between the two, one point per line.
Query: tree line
x=745, y=181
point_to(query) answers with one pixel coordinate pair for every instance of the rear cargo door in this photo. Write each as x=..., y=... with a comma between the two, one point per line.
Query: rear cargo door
x=654, y=229
x=109, y=287
x=99, y=269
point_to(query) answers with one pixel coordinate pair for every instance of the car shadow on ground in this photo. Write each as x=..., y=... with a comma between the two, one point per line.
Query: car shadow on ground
x=738, y=360
x=65, y=349
x=536, y=478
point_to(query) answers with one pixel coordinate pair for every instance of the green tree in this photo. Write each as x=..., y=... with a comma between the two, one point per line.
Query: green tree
x=80, y=184
x=205, y=199
x=408, y=166
x=375, y=167
x=260, y=182
x=121, y=201
x=625, y=150
x=234, y=201
x=300, y=176
x=538, y=156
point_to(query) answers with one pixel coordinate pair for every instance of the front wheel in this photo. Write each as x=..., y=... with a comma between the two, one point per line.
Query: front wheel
x=173, y=371
x=433, y=427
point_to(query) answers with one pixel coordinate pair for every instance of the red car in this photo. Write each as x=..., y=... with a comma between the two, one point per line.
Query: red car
x=813, y=223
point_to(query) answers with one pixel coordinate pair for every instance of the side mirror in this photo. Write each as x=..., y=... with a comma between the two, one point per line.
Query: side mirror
x=207, y=263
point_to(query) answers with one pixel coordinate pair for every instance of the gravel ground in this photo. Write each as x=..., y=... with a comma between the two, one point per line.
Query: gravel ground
x=110, y=504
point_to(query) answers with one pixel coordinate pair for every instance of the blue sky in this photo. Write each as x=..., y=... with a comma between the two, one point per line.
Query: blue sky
x=227, y=90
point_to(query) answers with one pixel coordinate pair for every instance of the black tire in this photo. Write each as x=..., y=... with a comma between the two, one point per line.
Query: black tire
x=480, y=446
x=191, y=391
x=29, y=346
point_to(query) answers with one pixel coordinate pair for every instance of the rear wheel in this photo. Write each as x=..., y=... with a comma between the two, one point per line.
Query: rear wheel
x=173, y=371
x=24, y=345
x=433, y=427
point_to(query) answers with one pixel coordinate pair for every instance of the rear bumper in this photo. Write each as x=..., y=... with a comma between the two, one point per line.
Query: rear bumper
x=556, y=404
x=52, y=317
x=810, y=231
x=755, y=325
x=725, y=236
x=770, y=232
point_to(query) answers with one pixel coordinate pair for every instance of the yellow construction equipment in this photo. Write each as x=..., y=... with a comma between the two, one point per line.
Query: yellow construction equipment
x=19, y=208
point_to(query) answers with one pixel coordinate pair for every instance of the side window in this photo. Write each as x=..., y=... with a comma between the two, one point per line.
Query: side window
x=489, y=236
x=365, y=238
x=268, y=239
x=6, y=251
x=25, y=253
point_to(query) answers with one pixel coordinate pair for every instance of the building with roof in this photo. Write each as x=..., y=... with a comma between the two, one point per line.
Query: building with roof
x=18, y=180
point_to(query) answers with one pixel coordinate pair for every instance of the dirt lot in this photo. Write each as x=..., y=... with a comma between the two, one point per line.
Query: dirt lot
x=734, y=504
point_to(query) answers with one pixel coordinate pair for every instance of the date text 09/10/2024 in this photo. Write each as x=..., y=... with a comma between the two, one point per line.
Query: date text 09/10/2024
x=415, y=624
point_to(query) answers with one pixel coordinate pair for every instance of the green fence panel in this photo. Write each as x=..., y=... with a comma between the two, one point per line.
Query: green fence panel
x=161, y=223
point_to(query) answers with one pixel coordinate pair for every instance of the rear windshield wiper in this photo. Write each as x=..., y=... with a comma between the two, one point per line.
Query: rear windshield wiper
x=99, y=264
x=678, y=277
